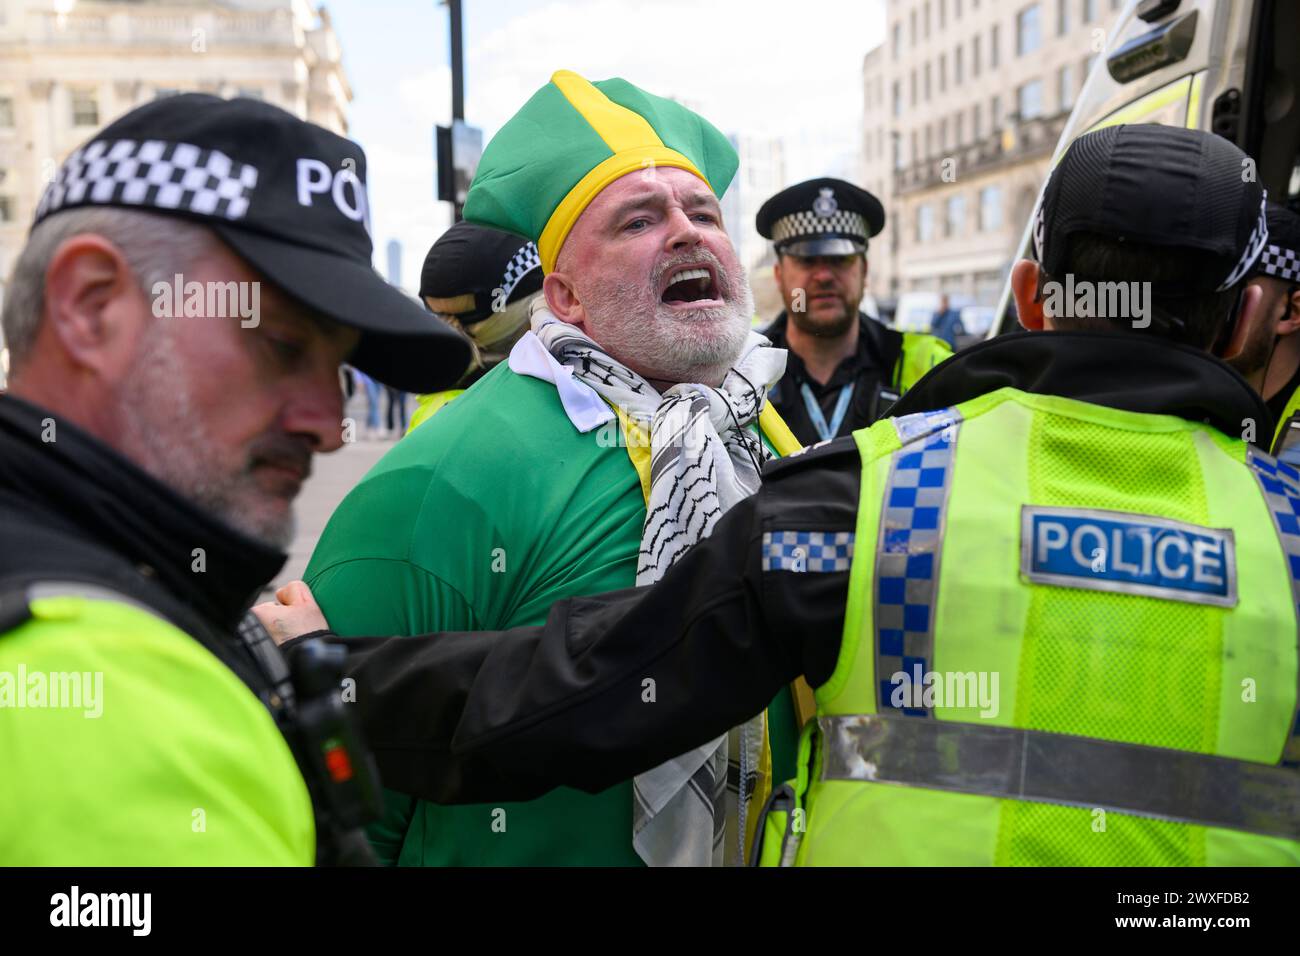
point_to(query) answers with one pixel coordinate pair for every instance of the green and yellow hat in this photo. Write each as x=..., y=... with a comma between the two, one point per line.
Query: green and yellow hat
x=571, y=140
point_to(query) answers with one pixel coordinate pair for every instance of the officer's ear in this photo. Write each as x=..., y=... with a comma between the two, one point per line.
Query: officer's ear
x=1291, y=323
x=95, y=310
x=1249, y=315
x=1024, y=289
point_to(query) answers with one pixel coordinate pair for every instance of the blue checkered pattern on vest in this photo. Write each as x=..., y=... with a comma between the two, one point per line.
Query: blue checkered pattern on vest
x=909, y=548
x=807, y=550
x=1280, y=484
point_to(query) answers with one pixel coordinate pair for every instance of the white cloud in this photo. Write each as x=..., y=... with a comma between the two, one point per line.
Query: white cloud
x=767, y=67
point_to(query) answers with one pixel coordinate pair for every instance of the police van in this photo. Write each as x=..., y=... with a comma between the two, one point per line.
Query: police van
x=1228, y=66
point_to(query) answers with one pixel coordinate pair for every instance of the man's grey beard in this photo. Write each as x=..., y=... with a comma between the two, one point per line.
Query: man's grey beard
x=166, y=435
x=662, y=342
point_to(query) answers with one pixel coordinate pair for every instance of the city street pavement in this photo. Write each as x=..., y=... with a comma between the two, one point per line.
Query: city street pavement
x=332, y=477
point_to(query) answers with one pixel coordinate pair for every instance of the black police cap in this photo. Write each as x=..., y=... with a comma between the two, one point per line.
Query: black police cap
x=821, y=217
x=1158, y=185
x=494, y=267
x=286, y=195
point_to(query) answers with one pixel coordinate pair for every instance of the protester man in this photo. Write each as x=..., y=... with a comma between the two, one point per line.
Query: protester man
x=481, y=281
x=1050, y=621
x=193, y=280
x=622, y=427
x=844, y=369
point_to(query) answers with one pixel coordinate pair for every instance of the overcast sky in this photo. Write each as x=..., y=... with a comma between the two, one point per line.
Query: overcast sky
x=788, y=68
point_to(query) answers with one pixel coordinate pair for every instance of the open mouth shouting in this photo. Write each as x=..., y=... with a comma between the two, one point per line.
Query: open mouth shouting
x=692, y=287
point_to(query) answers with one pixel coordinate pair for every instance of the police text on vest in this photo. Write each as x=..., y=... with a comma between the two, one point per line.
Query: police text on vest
x=1128, y=554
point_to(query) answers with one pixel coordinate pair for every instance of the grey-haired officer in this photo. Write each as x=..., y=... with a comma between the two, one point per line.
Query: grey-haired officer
x=844, y=369
x=196, y=273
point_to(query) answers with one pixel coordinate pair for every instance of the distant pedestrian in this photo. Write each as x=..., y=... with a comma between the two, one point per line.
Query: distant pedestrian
x=373, y=391
x=946, y=323
x=395, y=424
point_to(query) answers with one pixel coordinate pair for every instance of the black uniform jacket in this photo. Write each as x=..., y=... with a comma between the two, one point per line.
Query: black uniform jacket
x=471, y=717
x=870, y=370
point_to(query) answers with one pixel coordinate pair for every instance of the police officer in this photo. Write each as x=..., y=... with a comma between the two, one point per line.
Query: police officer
x=844, y=369
x=481, y=281
x=195, y=276
x=1038, y=606
x=1277, y=358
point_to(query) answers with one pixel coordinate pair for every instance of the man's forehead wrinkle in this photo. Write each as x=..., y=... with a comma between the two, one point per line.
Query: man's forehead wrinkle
x=660, y=200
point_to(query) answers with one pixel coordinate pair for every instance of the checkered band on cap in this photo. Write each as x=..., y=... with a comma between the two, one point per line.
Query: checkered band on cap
x=1279, y=263
x=1254, y=248
x=521, y=263
x=805, y=223
x=172, y=176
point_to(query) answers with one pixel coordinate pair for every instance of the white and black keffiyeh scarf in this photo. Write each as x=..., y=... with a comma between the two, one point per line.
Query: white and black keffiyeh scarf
x=704, y=458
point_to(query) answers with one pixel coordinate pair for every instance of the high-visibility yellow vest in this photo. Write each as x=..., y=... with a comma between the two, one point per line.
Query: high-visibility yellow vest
x=1070, y=639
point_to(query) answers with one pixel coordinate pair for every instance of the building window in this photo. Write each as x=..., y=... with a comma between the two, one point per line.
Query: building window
x=1089, y=11
x=1029, y=99
x=1063, y=17
x=993, y=47
x=943, y=135
x=912, y=27
x=6, y=112
x=956, y=66
x=929, y=142
x=1065, y=85
x=6, y=209
x=955, y=223
x=925, y=223
x=990, y=208
x=956, y=9
x=912, y=88
x=898, y=152
x=927, y=19
x=250, y=92
x=927, y=82
x=1029, y=34
x=943, y=72
x=898, y=40
x=977, y=128
x=975, y=56
x=85, y=108
x=916, y=148
x=958, y=122
x=995, y=113
x=898, y=98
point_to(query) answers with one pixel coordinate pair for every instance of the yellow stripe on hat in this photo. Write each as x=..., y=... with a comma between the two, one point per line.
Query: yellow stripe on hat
x=618, y=126
x=631, y=139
